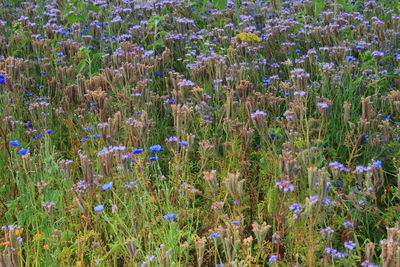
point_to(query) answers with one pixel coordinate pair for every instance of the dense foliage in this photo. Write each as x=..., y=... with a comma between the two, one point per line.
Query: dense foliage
x=203, y=133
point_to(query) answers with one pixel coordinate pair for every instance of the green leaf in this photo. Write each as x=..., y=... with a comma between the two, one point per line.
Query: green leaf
x=98, y=55
x=93, y=8
x=71, y=18
x=162, y=33
x=220, y=4
x=81, y=65
x=319, y=7
x=263, y=164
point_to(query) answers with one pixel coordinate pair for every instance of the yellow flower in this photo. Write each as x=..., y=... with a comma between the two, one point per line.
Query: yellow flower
x=46, y=246
x=248, y=37
x=38, y=235
x=19, y=231
x=79, y=263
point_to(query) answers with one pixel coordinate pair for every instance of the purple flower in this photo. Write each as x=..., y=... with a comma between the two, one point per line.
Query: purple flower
x=185, y=82
x=338, y=166
x=349, y=245
x=339, y=254
x=258, y=113
x=47, y=205
x=330, y=250
x=296, y=208
x=171, y=139
x=348, y=224
x=326, y=231
x=285, y=185
x=312, y=199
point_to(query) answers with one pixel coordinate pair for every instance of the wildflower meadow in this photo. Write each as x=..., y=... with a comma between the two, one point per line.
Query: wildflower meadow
x=200, y=133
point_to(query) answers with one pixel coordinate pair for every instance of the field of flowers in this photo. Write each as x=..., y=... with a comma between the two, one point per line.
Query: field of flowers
x=187, y=133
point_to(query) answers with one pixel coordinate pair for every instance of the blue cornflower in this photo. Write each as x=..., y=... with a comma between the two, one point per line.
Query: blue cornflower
x=38, y=136
x=49, y=131
x=2, y=78
x=184, y=143
x=214, y=235
x=266, y=81
x=137, y=150
x=153, y=158
x=107, y=186
x=28, y=124
x=96, y=136
x=377, y=163
x=273, y=258
x=99, y=208
x=169, y=216
x=24, y=151
x=349, y=58
x=359, y=47
x=235, y=222
x=155, y=148
x=297, y=51
x=14, y=143
x=84, y=139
